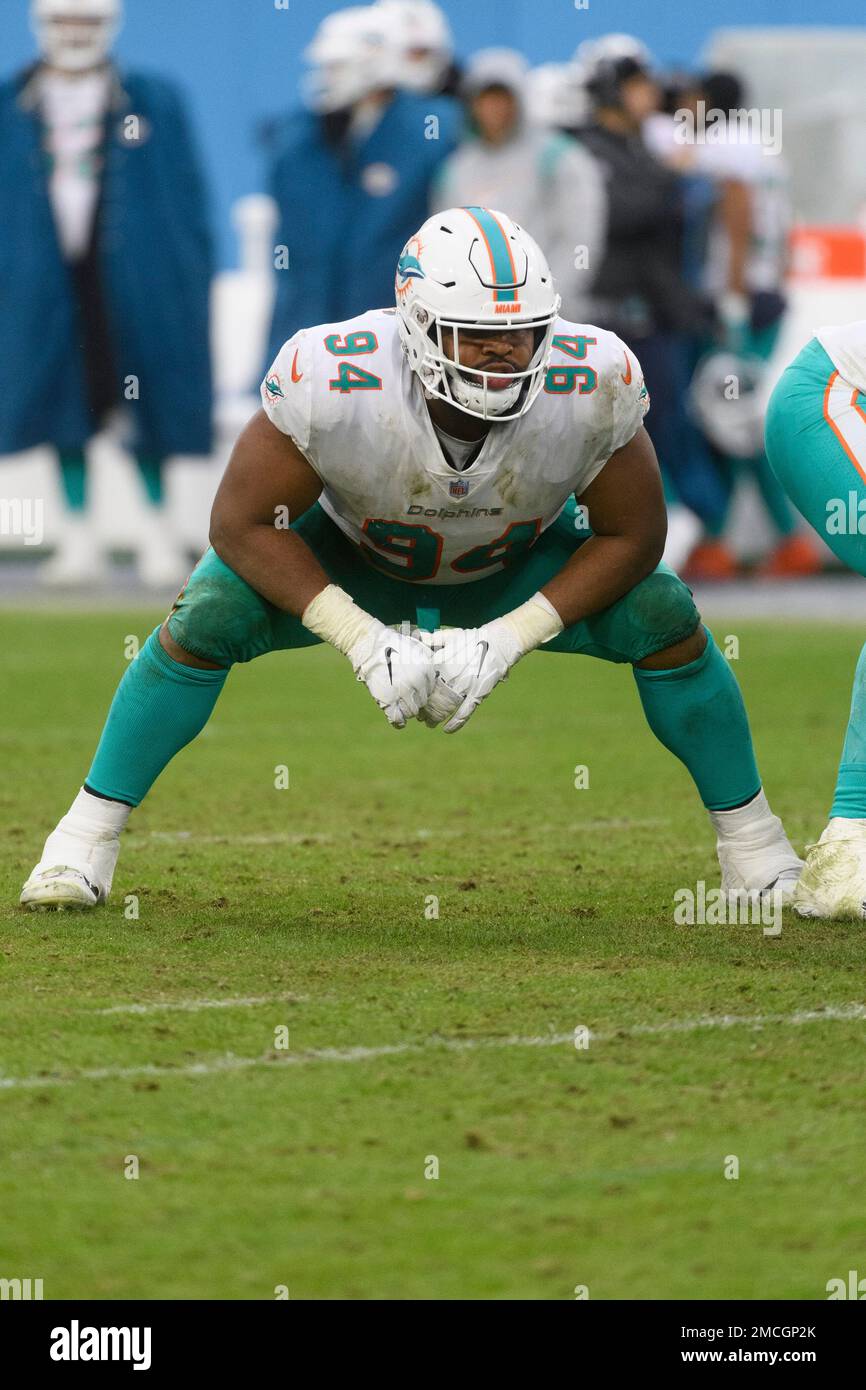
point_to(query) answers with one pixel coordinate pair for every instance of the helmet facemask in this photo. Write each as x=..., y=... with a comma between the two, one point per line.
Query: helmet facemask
x=486, y=393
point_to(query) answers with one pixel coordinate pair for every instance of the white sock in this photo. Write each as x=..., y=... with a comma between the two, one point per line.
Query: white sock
x=744, y=818
x=93, y=818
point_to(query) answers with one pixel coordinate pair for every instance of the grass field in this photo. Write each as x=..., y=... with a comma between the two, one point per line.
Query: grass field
x=412, y=1036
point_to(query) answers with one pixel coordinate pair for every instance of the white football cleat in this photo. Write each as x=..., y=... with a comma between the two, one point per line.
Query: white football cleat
x=833, y=883
x=754, y=852
x=78, y=860
x=59, y=888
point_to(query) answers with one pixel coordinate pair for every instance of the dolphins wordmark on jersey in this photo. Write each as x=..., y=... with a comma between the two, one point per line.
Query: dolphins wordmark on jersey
x=346, y=395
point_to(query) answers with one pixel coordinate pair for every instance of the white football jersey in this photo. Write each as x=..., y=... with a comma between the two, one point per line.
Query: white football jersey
x=348, y=398
x=845, y=345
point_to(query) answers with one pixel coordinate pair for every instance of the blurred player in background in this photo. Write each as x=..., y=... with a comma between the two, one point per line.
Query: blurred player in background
x=534, y=174
x=105, y=264
x=431, y=457
x=424, y=44
x=745, y=262
x=351, y=173
x=816, y=444
x=641, y=291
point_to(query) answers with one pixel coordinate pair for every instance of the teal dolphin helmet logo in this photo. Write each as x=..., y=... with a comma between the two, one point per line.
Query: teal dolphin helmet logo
x=409, y=267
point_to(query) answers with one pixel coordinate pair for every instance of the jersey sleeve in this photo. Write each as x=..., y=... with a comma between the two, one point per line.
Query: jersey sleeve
x=286, y=390
x=629, y=397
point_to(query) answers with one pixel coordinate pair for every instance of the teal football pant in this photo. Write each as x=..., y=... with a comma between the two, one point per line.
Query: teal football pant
x=816, y=444
x=695, y=710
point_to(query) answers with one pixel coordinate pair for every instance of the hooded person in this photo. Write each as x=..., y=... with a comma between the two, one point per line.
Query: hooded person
x=364, y=154
x=543, y=179
x=105, y=263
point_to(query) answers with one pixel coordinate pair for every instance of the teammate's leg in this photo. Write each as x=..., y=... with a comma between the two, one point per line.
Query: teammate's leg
x=816, y=444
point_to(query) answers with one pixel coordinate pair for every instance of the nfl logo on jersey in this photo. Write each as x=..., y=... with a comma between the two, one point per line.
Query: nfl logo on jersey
x=458, y=487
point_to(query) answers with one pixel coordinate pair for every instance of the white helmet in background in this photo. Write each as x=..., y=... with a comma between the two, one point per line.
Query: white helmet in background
x=556, y=97
x=474, y=268
x=351, y=55
x=422, y=39
x=613, y=48
x=75, y=34
x=727, y=400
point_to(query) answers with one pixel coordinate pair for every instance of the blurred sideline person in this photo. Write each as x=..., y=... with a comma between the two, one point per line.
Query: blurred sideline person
x=351, y=173
x=816, y=444
x=641, y=291
x=105, y=268
x=744, y=272
x=536, y=175
x=425, y=46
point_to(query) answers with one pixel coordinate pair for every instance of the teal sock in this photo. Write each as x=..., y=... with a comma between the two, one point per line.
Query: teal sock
x=73, y=478
x=151, y=472
x=159, y=707
x=697, y=712
x=850, y=798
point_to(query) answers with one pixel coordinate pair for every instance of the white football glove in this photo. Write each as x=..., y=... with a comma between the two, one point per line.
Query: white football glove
x=396, y=668
x=470, y=662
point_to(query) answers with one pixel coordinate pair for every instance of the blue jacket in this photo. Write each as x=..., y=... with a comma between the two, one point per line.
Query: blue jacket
x=156, y=259
x=346, y=214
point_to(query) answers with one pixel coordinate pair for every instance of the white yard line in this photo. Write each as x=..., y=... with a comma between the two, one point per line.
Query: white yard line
x=845, y=1013
x=189, y=837
x=192, y=1006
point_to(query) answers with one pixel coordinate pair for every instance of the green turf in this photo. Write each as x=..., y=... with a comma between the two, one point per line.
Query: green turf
x=557, y=1167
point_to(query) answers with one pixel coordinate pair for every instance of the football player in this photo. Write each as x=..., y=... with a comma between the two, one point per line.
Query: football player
x=429, y=469
x=816, y=444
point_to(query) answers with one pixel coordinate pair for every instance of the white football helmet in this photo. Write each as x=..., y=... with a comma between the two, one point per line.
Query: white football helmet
x=75, y=35
x=613, y=48
x=421, y=35
x=351, y=56
x=474, y=268
x=556, y=97
x=727, y=399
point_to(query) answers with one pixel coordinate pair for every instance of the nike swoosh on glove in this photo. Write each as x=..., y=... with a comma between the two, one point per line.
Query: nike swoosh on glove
x=469, y=663
x=397, y=670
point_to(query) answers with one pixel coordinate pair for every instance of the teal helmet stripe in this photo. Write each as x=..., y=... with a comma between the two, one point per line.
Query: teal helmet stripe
x=496, y=242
